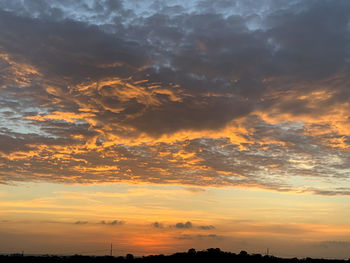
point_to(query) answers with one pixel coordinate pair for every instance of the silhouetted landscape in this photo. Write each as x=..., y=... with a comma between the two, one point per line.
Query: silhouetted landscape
x=209, y=255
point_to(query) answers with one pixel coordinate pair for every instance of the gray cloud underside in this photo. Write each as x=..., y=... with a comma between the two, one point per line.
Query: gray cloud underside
x=143, y=73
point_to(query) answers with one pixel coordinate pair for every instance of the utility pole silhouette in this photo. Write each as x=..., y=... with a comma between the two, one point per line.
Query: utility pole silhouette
x=111, y=250
x=267, y=251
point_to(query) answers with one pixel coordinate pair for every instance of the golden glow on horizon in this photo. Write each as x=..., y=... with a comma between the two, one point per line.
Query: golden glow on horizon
x=80, y=211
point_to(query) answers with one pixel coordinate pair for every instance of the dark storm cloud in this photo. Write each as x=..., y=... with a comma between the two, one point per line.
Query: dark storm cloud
x=210, y=113
x=69, y=49
x=198, y=49
x=9, y=144
x=98, y=11
x=312, y=43
x=240, y=93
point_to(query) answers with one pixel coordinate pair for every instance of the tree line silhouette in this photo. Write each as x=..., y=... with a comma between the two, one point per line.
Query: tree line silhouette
x=192, y=256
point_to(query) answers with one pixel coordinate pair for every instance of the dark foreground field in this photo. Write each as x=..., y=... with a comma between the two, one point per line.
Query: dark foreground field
x=209, y=255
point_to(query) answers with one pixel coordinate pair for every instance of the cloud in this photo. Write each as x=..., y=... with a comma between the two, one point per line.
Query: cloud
x=81, y=222
x=337, y=191
x=211, y=236
x=199, y=237
x=157, y=225
x=234, y=94
x=334, y=244
x=180, y=225
x=185, y=237
x=208, y=227
x=96, y=56
x=113, y=223
x=195, y=190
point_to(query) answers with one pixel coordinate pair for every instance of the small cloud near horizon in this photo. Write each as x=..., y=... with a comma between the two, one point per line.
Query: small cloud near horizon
x=157, y=225
x=181, y=225
x=113, y=223
x=208, y=227
x=81, y=222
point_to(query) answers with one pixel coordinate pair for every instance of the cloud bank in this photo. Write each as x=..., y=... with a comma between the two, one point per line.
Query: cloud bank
x=231, y=93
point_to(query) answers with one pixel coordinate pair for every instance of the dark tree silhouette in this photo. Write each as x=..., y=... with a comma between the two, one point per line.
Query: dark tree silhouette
x=214, y=255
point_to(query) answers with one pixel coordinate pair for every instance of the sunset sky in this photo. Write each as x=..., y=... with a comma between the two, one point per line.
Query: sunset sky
x=160, y=126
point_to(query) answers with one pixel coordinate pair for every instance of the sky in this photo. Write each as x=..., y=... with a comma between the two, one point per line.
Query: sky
x=160, y=126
